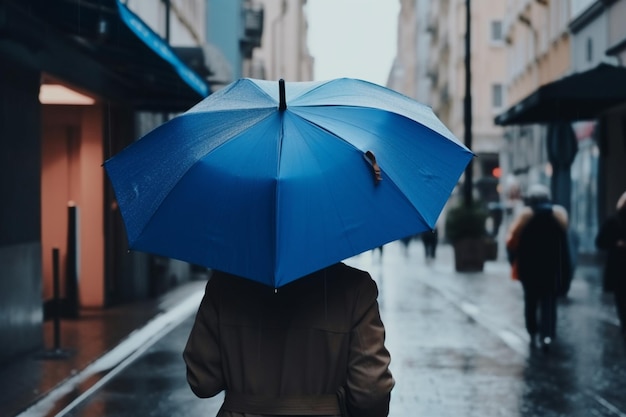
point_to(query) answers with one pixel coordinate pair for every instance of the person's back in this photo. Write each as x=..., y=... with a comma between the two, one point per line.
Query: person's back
x=538, y=249
x=287, y=352
x=542, y=253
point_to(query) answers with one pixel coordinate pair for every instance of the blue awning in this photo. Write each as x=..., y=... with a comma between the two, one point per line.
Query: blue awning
x=156, y=43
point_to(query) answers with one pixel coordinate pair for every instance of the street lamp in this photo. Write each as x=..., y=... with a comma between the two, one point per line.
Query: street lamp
x=467, y=104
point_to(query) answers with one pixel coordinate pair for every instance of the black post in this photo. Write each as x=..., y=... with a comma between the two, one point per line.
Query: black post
x=168, y=7
x=56, y=352
x=71, y=273
x=469, y=180
x=57, y=298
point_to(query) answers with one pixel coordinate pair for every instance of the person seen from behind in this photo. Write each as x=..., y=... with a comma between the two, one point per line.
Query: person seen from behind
x=430, y=238
x=537, y=245
x=611, y=238
x=312, y=347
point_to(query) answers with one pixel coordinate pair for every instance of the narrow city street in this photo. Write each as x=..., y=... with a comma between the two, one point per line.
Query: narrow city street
x=147, y=143
x=458, y=346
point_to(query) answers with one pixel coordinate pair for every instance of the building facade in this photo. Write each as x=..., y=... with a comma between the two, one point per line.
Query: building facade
x=262, y=39
x=538, y=50
x=234, y=30
x=517, y=48
x=575, y=147
x=78, y=82
x=283, y=52
x=409, y=71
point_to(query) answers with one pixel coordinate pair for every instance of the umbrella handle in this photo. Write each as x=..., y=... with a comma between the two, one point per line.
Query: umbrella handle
x=371, y=159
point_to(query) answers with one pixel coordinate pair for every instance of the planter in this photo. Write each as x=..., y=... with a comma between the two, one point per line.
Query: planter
x=469, y=254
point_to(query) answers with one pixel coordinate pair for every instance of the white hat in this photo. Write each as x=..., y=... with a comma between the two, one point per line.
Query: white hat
x=538, y=192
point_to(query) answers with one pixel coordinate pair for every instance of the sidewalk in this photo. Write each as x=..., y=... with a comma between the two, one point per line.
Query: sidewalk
x=83, y=341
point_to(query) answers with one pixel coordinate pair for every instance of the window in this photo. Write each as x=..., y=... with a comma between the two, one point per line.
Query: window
x=497, y=96
x=589, y=50
x=496, y=31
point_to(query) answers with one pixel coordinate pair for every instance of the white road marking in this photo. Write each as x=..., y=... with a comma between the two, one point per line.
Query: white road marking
x=118, y=358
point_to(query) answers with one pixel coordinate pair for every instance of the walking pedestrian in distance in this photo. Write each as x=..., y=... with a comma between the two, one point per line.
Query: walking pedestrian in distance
x=612, y=238
x=430, y=238
x=406, y=241
x=537, y=245
x=291, y=351
x=380, y=249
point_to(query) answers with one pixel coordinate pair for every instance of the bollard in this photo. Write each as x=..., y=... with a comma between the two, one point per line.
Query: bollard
x=57, y=298
x=71, y=273
x=56, y=352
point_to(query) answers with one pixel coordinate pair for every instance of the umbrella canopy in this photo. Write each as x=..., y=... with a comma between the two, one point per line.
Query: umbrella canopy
x=580, y=96
x=272, y=181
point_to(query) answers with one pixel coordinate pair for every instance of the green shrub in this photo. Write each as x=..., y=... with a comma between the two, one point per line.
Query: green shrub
x=466, y=222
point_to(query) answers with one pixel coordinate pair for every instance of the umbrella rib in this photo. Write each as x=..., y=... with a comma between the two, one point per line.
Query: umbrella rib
x=281, y=136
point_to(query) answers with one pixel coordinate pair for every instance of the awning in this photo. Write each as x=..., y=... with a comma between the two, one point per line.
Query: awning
x=112, y=51
x=580, y=96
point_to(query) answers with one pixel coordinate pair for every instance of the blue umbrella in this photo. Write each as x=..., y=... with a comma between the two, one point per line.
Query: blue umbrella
x=274, y=180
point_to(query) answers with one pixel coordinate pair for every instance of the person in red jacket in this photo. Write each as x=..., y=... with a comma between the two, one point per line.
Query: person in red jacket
x=290, y=351
x=538, y=249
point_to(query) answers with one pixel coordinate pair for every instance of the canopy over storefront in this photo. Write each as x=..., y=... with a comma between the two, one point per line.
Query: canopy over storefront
x=580, y=96
x=102, y=46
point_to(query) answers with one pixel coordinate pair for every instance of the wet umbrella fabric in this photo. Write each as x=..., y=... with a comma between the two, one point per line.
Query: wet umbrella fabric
x=274, y=183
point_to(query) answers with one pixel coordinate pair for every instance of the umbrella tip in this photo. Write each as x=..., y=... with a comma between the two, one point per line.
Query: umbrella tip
x=282, y=105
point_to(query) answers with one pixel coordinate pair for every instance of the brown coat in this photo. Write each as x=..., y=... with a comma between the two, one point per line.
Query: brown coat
x=286, y=349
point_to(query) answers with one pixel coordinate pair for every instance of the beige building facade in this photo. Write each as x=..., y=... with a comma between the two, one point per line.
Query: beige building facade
x=409, y=70
x=537, y=36
x=283, y=52
x=538, y=51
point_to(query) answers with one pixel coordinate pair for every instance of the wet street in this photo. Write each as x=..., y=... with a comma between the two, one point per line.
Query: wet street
x=458, y=346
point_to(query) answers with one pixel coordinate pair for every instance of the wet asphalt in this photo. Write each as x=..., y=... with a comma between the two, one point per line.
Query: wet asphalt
x=458, y=346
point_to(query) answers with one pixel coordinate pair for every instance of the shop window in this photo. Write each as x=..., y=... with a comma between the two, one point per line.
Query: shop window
x=497, y=96
x=589, y=50
x=497, y=34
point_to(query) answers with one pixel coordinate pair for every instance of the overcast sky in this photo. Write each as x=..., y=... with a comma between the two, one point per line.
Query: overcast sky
x=353, y=38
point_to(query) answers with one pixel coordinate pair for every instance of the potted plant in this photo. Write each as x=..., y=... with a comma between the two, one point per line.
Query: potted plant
x=466, y=231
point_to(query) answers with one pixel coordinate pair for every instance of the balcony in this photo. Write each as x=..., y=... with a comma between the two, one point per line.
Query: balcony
x=253, y=23
x=252, y=30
